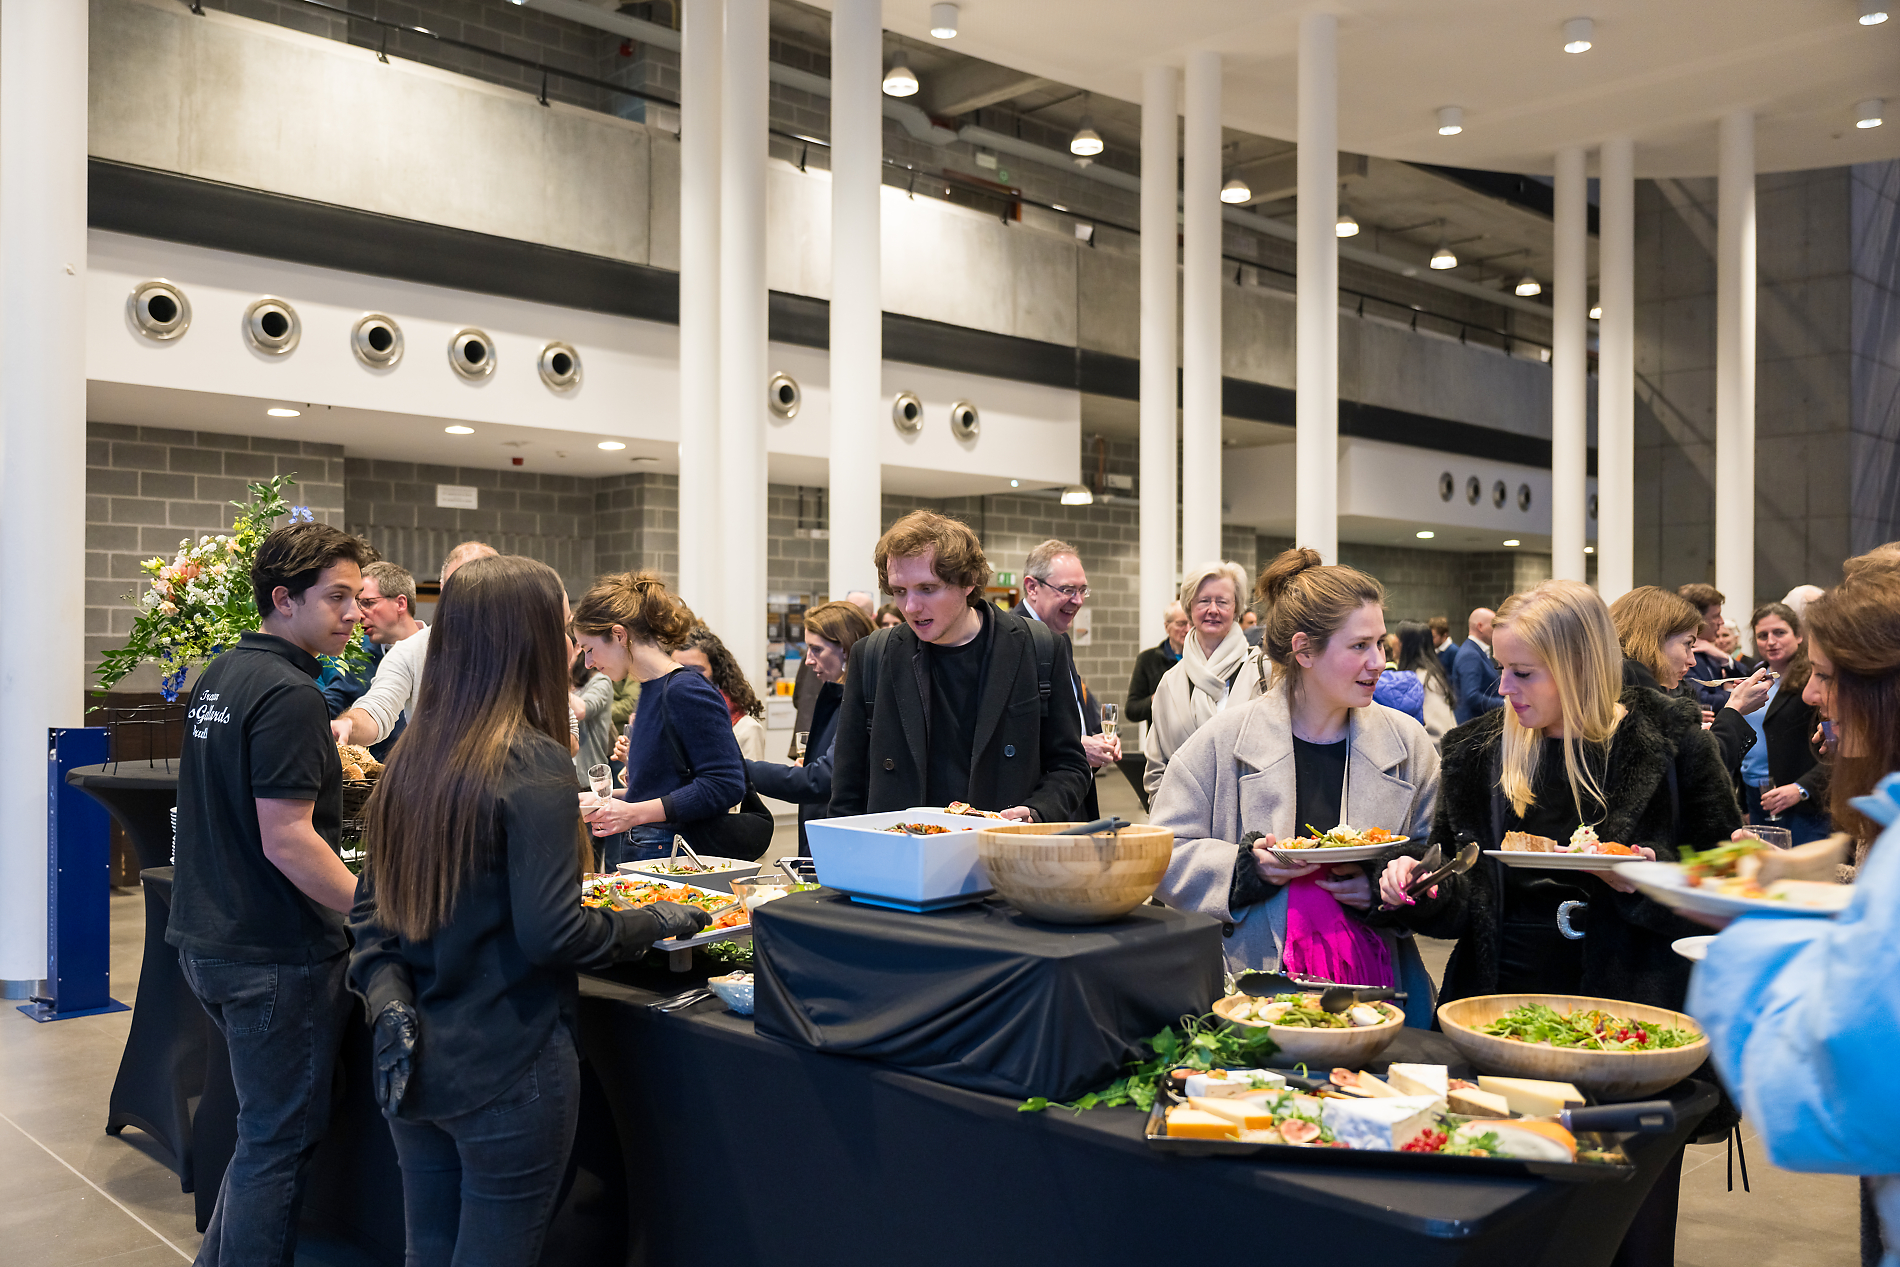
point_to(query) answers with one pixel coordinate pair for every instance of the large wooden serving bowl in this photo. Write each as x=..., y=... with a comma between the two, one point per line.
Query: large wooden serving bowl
x=1074, y=879
x=1349, y=1048
x=1611, y=1075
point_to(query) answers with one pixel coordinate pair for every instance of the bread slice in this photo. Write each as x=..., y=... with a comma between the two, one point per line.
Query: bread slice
x=1525, y=842
x=1814, y=861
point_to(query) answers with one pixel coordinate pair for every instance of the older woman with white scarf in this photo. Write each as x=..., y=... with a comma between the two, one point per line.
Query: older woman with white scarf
x=1215, y=651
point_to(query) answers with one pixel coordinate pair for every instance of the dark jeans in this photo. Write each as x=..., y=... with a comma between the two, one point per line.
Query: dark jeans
x=282, y=1023
x=640, y=844
x=1806, y=822
x=478, y=1189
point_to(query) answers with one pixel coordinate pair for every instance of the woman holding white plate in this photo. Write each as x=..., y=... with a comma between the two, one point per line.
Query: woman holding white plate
x=1314, y=751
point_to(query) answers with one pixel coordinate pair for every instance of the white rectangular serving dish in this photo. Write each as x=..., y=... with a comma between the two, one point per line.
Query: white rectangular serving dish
x=720, y=880
x=857, y=856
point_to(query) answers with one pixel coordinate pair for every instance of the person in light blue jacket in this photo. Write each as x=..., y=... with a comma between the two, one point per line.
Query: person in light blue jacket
x=1803, y=1014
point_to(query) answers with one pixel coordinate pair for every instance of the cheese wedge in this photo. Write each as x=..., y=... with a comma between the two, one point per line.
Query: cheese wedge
x=1247, y=1116
x=1191, y=1123
x=1358, y=1082
x=1529, y=1141
x=1531, y=1097
x=1383, y=1125
x=1420, y=1079
x=1217, y=1083
x=1476, y=1103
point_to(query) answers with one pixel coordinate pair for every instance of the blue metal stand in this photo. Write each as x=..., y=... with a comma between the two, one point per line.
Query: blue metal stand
x=78, y=914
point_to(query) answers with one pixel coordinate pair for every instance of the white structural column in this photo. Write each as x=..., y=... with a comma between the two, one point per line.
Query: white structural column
x=1616, y=369
x=1316, y=292
x=703, y=33
x=42, y=438
x=1160, y=274
x=857, y=312
x=742, y=326
x=1569, y=379
x=1735, y=363
x=1200, y=313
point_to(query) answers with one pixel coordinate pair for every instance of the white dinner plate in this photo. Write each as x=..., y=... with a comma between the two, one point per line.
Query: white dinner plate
x=1664, y=882
x=1557, y=861
x=1694, y=949
x=1343, y=853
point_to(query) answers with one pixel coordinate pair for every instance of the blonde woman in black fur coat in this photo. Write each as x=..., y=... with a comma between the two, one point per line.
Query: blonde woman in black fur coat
x=1570, y=747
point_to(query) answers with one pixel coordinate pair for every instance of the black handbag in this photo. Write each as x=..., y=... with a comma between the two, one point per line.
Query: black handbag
x=744, y=833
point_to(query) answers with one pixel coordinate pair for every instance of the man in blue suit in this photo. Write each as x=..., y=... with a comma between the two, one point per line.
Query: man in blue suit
x=1442, y=645
x=1474, y=676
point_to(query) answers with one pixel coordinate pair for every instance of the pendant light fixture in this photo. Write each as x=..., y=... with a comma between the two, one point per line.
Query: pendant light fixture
x=1235, y=191
x=943, y=21
x=1451, y=120
x=1528, y=286
x=900, y=80
x=1443, y=258
x=1077, y=495
x=1087, y=142
x=1578, y=33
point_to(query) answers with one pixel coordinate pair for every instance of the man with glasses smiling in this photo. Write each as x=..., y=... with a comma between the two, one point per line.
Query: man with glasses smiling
x=1054, y=588
x=388, y=605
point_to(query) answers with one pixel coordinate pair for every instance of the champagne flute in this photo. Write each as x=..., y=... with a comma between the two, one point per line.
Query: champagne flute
x=1111, y=718
x=601, y=779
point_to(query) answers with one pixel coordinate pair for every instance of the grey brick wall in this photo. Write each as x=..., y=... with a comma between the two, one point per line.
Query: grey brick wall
x=546, y=517
x=637, y=524
x=146, y=487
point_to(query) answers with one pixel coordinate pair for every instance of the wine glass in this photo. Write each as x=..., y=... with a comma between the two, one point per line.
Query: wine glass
x=800, y=740
x=1767, y=785
x=601, y=779
x=1111, y=718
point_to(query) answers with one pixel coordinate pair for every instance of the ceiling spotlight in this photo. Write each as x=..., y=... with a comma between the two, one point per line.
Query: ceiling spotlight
x=1589, y=549
x=1872, y=13
x=1577, y=33
x=1528, y=286
x=1427, y=535
x=1596, y=312
x=283, y=413
x=1015, y=483
x=460, y=431
x=1443, y=258
x=1868, y=112
x=1077, y=495
x=1347, y=226
x=900, y=80
x=1451, y=120
x=610, y=445
x=1513, y=542
x=943, y=21
x=1235, y=190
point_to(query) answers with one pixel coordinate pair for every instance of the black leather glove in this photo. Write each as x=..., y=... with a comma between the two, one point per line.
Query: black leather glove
x=394, y=1041
x=635, y=930
x=675, y=919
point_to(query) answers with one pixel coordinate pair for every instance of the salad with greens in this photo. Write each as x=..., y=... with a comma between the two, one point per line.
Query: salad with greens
x=1591, y=1030
x=1345, y=836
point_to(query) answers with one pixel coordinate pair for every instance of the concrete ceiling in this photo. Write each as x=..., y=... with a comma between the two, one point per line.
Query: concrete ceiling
x=1661, y=72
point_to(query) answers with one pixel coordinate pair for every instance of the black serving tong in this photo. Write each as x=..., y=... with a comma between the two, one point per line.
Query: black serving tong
x=1642, y=1117
x=1096, y=828
x=1436, y=869
x=1332, y=998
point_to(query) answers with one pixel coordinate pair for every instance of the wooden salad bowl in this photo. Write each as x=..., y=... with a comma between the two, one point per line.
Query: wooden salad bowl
x=1074, y=879
x=1328, y=1048
x=1611, y=1075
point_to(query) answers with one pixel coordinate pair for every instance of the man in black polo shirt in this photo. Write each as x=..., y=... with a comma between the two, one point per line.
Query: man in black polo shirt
x=259, y=894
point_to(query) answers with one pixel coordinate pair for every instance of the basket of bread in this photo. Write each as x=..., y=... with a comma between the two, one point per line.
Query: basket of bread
x=360, y=772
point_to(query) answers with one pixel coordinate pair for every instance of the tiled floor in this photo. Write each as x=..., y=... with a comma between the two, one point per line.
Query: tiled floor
x=71, y=1195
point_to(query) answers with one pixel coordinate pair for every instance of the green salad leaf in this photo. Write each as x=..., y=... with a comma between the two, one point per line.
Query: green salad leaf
x=1195, y=1042
x=1590, y=1030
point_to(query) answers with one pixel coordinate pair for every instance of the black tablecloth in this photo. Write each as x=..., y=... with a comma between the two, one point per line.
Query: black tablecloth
x=750, y=1151
x=140, y=796
x=980, y=996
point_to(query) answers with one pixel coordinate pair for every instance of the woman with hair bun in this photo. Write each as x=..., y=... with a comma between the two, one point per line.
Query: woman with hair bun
x=1312, y=752
x=682, y=760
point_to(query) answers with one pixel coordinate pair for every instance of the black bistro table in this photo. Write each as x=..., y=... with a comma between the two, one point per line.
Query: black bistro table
x=140, y=796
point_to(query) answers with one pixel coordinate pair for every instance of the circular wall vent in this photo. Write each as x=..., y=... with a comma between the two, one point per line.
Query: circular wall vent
x=376, y=340
x=1523, y=496
x=272, y=326
x=1499, y=494
x=1473, y=491
x=159, y=310
x=783, y=395
x=907, y=411
x=472, y=353
x=1446, y=486
x=965, y=421
x=560, y=367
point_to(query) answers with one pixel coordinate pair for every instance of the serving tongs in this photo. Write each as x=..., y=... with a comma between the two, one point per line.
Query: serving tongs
x=673, y=859
x=1436, y=869
x=1100, y=827
x=1332, y=998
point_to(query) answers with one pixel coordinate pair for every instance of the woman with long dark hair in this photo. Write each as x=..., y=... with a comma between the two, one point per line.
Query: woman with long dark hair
x=706, y=655
x=469, y=928
x=1418, y=657
x=831, y=630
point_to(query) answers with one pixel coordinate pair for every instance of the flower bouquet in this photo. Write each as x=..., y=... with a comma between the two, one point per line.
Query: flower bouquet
x=200, y=601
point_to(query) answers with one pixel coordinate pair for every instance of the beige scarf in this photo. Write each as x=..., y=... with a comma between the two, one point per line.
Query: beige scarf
x=1189, y=695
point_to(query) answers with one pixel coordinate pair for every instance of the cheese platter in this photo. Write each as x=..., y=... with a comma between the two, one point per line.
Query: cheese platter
x=1416, y=1118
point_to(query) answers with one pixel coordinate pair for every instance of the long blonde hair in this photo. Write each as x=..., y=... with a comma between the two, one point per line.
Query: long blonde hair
x=1568, y=628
